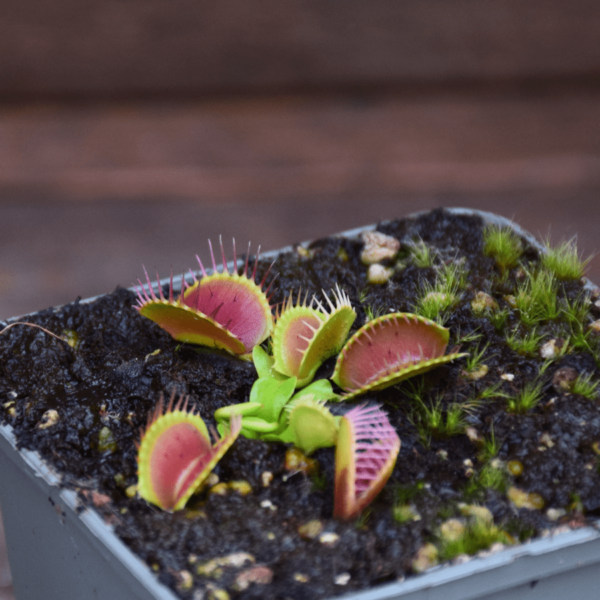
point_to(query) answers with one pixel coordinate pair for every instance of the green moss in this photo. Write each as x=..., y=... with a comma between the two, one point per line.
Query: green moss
x=422, y=255
x=476, y=535
x=527, y=345
x=526, y=399
x=564, y=261
x=536, y=298
x=435, y=300
x=584, y=386
x=503, y=246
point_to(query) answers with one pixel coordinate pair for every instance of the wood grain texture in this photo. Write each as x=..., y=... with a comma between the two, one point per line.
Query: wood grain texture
x=301, y=147
x=121, y=47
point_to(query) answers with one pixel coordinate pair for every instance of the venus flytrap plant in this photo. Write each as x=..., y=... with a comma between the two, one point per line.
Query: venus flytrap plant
x=263, y=416
x=306, y=335
x=222, y=310
x=175, y=454
x=389, y=349
x=366, y=451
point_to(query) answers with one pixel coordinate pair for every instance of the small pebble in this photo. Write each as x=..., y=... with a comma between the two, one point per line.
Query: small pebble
x=49, y=418
x=242, y=487
x=216, y=593
x=554, y=514
x=185, y=580
x=550, y=349
x=474, y=436
x=260, y=574
x=405, y=512
x=522, y=499
x=131, y=490
x=329, y=539
x=301, y=578
x=106, y=440
x=564, y=379
x=443, y=454
x=452, y=530
x=212, y=480
x=546, y=439
x=214, y=567
x=311, y=530
x=378, y=247
x=595, y=327
x=266, y=478
x=426, y=557
x=378, y=274
x=515, y=467
x=483, y=301
x=221, y=489
x=268, y=504
x=341, y=579
x=507, y=377
x=481, y=513
x=476, y=374
x=296, y=461
x=304, y=252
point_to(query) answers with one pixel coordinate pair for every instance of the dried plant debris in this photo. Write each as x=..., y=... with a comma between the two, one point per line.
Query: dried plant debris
x=496, y=447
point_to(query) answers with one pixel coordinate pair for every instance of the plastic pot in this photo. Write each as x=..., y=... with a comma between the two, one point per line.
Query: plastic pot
x=60, y=550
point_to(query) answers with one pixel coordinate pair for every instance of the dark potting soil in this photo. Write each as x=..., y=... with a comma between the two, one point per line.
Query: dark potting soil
x=103, y=385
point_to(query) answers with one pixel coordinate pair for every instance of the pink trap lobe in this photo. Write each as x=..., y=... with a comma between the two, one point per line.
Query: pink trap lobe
x=175, y=450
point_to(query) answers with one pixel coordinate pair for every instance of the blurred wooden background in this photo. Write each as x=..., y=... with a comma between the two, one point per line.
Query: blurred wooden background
x=133, y=130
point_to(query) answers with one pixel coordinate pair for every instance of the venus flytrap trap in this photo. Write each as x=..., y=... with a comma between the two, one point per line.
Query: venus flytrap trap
x=310, y=425
x=223, y=310
x=389, y=349
x=306, y=335
x=175, y=454
x=366, y=451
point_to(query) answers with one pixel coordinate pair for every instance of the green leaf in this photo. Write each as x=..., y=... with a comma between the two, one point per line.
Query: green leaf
x=320, y=389
x=273, y=395
x=262, y=362
x=257, y=425
x=244, y=409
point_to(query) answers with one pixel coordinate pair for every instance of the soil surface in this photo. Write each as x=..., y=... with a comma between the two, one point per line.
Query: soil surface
x=544, y=471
